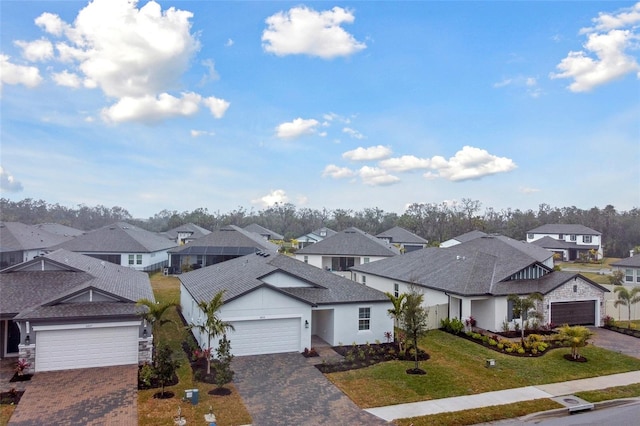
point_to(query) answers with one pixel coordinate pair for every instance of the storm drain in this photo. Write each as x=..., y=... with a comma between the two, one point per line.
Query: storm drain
x=573, y=403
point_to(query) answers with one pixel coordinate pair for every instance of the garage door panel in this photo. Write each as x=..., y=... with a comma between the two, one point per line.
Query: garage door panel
x=573, y=313
x=85, y=348
x=265, y=336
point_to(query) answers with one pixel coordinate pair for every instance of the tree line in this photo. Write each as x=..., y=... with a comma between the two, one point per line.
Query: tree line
x=435, y=222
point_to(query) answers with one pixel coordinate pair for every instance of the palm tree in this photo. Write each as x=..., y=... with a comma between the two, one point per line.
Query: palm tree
x=414, y=318
x=154, y=313
x=398, y=307
x=525, y=307
x=627, y=298
x=213, y=325
x=575, y=336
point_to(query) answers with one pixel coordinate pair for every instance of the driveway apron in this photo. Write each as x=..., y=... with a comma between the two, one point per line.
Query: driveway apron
x=616, y=342
x=284, y=389
x=88, y=396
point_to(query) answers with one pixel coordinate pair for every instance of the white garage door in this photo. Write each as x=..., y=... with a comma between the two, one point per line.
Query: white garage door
x=266, y=336
x=86, y=347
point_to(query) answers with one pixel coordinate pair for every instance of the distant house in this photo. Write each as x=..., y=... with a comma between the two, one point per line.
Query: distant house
x=631, y=268
x=218, y=246
x=186, y=233
x=406, y=241
x=468, y=236
x=569, y=241
x=20, y=242
x=265, y=233
x=58, y=229
x=473, y=279
x=345, y=249
x=123, y=244
x=65, y=310
x=314, y=236
x=276, y=304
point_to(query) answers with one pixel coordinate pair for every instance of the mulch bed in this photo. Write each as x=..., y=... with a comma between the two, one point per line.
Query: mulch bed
x=518, y=334
x=360, y=356
x=11, y=397
x=580, y=358
x=624, y=330
x=21, y=378
x=552, y=345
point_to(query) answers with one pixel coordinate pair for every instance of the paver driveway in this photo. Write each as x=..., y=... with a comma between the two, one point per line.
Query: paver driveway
x=284, y=389
x=89, y=396
x=615, y=341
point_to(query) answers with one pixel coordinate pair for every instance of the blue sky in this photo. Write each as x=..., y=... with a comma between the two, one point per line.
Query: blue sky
x=181, y=104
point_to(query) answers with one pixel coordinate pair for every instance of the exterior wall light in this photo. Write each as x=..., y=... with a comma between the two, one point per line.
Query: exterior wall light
x=306, y=324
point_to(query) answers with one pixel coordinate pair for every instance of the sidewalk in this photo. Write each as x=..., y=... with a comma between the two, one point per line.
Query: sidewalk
x=507, y=396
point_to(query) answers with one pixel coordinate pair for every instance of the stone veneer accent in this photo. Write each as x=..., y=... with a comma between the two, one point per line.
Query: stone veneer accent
x=565, y=293
x=28, y=352
x=145, y=350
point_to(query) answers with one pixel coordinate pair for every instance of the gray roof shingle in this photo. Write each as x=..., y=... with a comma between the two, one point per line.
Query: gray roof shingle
x=633, y=261
x=58, y=229
x=16, y=236
x=551, y=243
x=564, y=228
x=351, y=242
x=195, y=230
x=227, y=240
x=261, y=230
x=400, y=235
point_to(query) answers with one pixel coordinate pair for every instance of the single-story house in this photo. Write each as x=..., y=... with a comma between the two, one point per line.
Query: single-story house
x=345, y=249
x=123, y=244
x=265, y=233
x=406, y=241
x=20, y=242
x=473, y=279
x=220, y=245
x=314, y=236
x=276, y=303
x=631, y=268
x=186, y=233
x=570, y=241
x=463, y=238
x=65, y=310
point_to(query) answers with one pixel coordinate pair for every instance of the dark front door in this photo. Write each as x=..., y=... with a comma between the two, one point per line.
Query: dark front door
x=13, y=337
x=574, y=313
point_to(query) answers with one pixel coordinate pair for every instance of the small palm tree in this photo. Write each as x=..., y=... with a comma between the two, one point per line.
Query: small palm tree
x=576, y=337
x=213, y=325
x=525, y=307
x=398, y=307
x=154, y=314
x=627, y=298
x=414, y=318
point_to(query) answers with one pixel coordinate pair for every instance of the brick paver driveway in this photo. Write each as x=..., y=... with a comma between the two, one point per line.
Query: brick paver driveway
x=90, y=396
x=284, y=389
x=615, y=341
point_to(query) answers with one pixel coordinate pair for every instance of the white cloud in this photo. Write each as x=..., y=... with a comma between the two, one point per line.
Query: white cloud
x=51, y=23
x=275, y=196
x=198, y=133
x=604, y=57
x=368, y=154
x=405, y=163
x=8, y=182
x=66, y=78
x=37, y=50
x=149, y=109
x=503, y=83
x=296, y=128
x=302, y=30
x=11, y=73
x=353, y=133
x=337, y=172
x=527, y=190
x=217, y=106
x=212, y=74
x=374, y=176
x=470, y=163
x=229, y=43
x=302, y=200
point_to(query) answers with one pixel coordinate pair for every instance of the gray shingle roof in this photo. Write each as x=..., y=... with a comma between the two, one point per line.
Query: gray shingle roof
x=471, y=268
x=468, y=236
x=564, y=228
x=633, y=261
x=260, y=230
x=245, y=274
x=196, y=231
x=551, y=243
x=400, y=235
x=351, y=242
x=230, y=239
x=119, y=237
x=16, y=236
x=58, y=229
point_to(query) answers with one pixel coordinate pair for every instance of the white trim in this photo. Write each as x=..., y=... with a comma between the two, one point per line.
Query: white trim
x=85, y=325
x=262, y=317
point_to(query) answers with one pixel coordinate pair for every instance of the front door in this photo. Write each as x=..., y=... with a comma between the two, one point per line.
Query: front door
x=13, y=338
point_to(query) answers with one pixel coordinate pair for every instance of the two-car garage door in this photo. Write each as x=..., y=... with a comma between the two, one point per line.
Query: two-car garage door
x=86, y=347
x=574, y=313
x=265, y=336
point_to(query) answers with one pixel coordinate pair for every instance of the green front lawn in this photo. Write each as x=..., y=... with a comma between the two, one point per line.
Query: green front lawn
x=457, y=367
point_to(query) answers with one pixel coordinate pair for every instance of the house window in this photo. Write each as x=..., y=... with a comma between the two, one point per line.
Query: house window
x=561, y=236
x=572, y=237
x=509, y=310
x=323, y=233
x=131, y=259
x=306, y=259
x=138, y=259
x=364, y=279
x=628, y=275
x=366, y=260
x=586, y=239
x=530, y=236
x=364, y=319
x=396, y=289
x=575, y=288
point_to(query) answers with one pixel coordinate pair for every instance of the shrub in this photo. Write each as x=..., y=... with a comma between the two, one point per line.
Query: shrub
x=609, y=321
x=521, y=351
x=456, y=326
x=146, y=374
x=476, y=336
x=500, y=346
x=505, y=326
x=492, y=342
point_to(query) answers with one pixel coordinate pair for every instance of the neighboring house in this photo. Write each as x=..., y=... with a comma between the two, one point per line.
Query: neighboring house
x=186, y=233
x=65, y=310
x=276, y=303
x=475, y=278
x=345, y=249
x=123, y=244
x=223, y=244
x=265, y=233
x=20, y=242
x=468, y=236
x=58, y=229
x=630, y=266
x=314, y=236
x=569, y=241
x=406, y=241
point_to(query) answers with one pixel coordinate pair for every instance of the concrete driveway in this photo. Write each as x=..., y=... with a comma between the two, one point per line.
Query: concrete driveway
x=285, y=389
x=89, y=396
x=615, y=341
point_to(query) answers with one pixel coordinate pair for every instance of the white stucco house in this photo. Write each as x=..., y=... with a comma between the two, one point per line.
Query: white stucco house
x=314, y=236
x=474, y=279
x=276, y=303
x=345, y=249
x=568, y=240
x=630, y=266
x=186, y=233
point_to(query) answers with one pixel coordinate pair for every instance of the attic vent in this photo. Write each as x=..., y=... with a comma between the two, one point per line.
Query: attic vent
x=460, y=257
